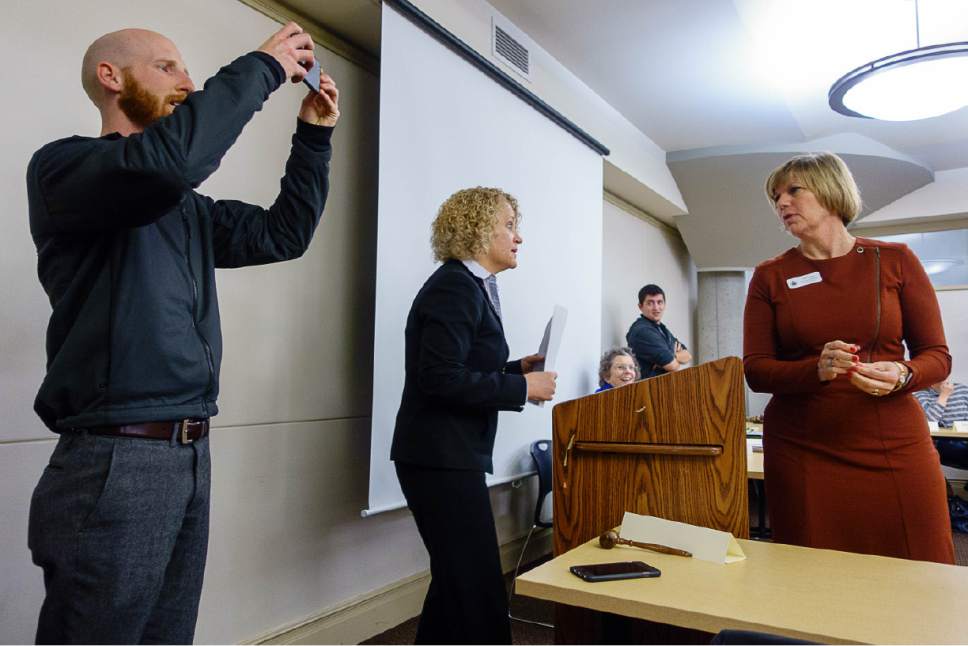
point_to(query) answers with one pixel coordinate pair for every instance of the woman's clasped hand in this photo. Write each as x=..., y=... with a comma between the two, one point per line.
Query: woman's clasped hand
x=876, y=379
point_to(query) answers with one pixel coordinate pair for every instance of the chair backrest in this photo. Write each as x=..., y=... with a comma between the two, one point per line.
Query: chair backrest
x=541, y=454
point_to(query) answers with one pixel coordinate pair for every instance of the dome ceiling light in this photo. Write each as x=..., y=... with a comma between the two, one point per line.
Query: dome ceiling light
x=916, y=84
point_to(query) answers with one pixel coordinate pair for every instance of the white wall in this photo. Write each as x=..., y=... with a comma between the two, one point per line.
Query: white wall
x=290, y=448
x=954, y=314
x=632, y=152
x=637, y=252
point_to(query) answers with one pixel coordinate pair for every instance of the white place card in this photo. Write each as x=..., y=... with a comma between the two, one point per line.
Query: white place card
x=961, y=426
x=704, y=543
x=932, y=426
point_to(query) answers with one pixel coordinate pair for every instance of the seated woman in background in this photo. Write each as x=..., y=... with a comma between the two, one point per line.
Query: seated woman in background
x=618, y=367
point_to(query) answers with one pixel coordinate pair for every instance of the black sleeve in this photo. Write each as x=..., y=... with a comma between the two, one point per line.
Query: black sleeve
x=117, y=182
x=648, y=344
x=450, y=313
x=244, y=234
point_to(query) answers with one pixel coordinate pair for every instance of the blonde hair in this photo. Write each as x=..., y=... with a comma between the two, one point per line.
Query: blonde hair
x=464, y=224
x=826, y=176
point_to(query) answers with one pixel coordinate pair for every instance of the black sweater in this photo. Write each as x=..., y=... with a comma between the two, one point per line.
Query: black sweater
x=127, y=251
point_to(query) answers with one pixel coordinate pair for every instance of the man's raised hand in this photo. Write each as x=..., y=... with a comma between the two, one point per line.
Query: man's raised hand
x=293, y=48
x=321, y=109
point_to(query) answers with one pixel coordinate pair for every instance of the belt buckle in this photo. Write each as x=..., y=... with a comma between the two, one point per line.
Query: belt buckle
x=183, y=432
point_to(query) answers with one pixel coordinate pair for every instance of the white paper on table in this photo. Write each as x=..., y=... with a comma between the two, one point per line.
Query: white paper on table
x=704, y=543
x=551, y=342
x=960, y=425
x=932, y=426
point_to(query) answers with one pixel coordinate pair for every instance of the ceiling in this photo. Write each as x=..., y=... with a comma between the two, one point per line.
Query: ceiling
x=729, y=86
x=705, y=73
x=357, y=21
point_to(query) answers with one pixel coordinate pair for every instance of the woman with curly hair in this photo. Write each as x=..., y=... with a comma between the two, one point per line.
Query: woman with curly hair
x=618, y=367
x=457, y=378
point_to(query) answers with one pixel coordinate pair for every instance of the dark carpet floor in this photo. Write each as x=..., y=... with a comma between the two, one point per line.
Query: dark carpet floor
x=521, y=632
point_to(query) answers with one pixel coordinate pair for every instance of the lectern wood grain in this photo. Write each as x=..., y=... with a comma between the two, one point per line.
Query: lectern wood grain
x=673, y=446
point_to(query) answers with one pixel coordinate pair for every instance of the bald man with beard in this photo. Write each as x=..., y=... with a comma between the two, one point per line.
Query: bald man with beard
x=127, y=251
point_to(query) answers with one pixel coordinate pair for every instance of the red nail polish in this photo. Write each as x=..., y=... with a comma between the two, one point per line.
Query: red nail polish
x=855, y=359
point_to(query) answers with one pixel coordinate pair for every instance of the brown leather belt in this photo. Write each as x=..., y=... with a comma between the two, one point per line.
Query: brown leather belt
x=187, y=430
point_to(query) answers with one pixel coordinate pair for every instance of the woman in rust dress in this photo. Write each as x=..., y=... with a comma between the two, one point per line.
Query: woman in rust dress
x=849, y=462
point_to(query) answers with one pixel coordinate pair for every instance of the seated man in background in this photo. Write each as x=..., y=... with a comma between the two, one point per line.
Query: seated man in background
x=944, y=403
x=655, y=347
x=618, y=367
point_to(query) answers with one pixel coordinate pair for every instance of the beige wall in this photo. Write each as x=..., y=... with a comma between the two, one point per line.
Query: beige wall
x=291, y=447
x=636, y=252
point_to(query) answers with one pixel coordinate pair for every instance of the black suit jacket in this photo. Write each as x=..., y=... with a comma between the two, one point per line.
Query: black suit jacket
x=457, y=375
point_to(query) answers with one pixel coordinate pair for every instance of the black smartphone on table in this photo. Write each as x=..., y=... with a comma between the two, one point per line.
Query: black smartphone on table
x=615, y=571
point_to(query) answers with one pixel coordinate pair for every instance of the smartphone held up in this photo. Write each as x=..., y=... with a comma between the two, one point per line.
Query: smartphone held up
x=312, y=77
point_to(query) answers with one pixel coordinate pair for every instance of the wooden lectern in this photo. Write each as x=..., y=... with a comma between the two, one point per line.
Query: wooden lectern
x=673, y=446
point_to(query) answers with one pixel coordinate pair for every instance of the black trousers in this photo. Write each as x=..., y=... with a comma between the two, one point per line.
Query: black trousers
x=120, y=527
x=467, y=600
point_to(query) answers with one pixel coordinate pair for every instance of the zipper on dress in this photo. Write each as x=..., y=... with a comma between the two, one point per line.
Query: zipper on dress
x=201, y=337
x=877, y=301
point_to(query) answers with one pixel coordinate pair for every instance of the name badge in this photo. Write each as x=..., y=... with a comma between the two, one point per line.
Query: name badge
x=802, y=281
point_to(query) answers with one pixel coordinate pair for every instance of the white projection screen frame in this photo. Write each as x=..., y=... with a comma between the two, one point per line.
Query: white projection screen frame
x=446, y=125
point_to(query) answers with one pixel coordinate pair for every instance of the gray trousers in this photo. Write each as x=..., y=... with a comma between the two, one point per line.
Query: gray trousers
x=120, y=527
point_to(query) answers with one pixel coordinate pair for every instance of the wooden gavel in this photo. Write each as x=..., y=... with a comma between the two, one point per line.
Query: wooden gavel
x=610, y=539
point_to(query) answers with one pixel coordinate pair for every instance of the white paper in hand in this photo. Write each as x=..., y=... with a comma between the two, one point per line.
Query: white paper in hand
x=551, y=342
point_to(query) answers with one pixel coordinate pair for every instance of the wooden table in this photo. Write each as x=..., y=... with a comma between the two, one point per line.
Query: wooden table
x=947, y=432
x=754, y=460
x=818, y=595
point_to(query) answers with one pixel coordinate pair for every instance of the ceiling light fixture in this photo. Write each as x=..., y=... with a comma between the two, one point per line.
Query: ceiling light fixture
x=940, y=265
x=916, y=84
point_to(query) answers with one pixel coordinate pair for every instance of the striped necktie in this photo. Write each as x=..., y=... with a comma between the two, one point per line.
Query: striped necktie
x=491, y=283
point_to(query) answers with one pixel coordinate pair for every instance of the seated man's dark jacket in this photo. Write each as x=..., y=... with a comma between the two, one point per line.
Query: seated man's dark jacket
x=653, y=344
x=457, y=375
x=127, y=252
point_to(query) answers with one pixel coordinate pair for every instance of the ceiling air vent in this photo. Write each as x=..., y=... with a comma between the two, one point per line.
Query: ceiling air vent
x=509, y=47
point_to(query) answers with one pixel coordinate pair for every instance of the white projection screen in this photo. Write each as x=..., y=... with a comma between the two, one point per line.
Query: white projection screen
x=446, y=125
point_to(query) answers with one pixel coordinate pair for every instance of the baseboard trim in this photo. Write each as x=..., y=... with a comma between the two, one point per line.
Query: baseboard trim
x=370, y=614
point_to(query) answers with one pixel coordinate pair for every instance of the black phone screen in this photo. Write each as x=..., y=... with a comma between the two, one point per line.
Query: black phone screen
x=615, y=571
x=312, y=77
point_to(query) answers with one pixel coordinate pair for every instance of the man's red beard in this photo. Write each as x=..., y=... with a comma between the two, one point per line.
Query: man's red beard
x=141, y=106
